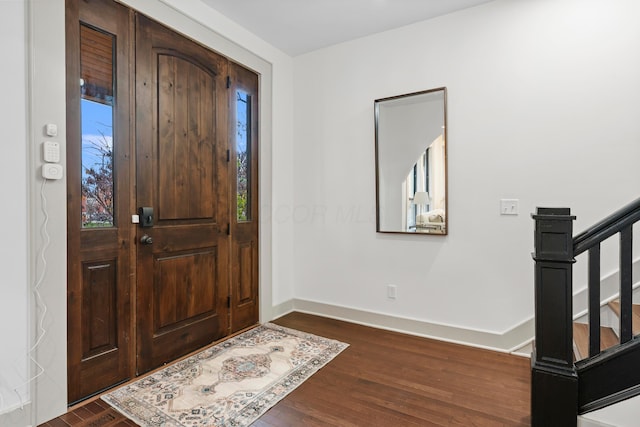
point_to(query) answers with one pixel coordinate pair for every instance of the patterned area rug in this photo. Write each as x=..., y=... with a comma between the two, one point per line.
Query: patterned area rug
x=228, y=384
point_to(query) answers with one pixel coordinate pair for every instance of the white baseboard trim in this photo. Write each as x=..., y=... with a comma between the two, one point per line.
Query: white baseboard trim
x=19, y=416
x=282, y=309
x=503, y=342
x=515, y=340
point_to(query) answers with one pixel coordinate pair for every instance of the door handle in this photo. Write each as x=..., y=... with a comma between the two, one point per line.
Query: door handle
x=146, y=239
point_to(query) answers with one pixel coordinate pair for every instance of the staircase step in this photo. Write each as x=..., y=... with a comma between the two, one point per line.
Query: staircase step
x=608, y=338
x=635, y=325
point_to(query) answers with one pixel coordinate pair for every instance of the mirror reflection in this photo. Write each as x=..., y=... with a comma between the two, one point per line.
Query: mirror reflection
x=411, y=163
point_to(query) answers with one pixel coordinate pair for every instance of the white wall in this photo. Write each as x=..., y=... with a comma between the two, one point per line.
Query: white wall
x=533, y=84
x=13, y=215
x=543, y=106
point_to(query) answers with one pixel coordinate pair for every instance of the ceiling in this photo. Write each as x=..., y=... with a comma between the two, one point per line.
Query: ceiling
x=301, y=26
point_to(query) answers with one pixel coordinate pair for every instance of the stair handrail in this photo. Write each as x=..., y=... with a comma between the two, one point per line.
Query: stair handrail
x=607, y=227
x=560, y=388
x=621, y=221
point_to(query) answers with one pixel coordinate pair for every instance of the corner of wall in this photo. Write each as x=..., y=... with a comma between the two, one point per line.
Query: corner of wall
x=46, y=104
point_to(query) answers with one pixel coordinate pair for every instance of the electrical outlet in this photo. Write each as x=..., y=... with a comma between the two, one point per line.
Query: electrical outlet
x=391, y=291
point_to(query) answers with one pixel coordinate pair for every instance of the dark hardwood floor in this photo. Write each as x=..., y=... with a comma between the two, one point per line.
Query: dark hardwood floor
x=383, y=379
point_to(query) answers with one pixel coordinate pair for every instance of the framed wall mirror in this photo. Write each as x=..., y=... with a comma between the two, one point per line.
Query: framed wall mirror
x=411, y=163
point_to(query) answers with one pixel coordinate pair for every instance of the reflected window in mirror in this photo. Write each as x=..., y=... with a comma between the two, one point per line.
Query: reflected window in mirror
x=411, y=163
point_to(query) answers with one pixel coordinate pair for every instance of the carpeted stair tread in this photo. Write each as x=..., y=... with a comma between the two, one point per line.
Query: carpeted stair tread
x=635, y=308
x=608, y=338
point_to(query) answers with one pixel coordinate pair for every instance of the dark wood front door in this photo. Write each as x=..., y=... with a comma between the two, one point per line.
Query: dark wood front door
x=181, y=116
x=152, y=119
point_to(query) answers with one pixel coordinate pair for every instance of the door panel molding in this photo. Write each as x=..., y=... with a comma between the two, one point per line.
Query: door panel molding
x=244, y=259
x=99, y=307
x=184, y=288
x=185, y=137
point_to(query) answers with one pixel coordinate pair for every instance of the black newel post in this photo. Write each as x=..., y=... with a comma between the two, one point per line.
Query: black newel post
x=554, y=382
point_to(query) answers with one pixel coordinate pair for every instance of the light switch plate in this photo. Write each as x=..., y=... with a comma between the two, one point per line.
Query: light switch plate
x=509, y=207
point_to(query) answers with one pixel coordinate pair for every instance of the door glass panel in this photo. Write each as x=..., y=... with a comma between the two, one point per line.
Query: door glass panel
x=96, y=110
x=243, y=150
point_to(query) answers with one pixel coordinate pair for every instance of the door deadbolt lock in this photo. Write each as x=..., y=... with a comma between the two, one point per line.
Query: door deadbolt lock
x=146, y=216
